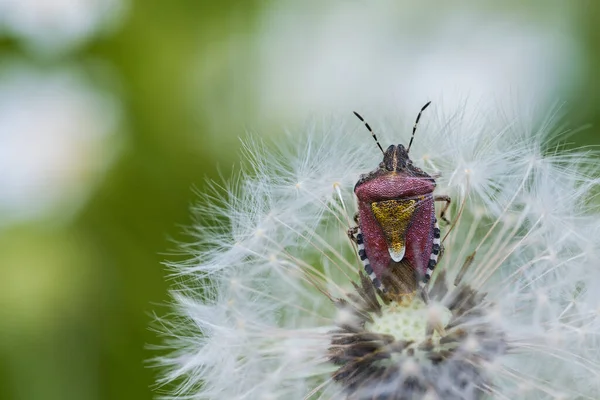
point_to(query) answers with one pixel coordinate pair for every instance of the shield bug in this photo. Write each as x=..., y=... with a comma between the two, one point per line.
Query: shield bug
x=398, y=235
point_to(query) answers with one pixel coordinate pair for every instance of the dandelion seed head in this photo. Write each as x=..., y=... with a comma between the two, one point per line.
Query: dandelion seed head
x=273, y=304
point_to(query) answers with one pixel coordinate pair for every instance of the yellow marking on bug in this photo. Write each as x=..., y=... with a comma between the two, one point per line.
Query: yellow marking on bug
x=394, y=216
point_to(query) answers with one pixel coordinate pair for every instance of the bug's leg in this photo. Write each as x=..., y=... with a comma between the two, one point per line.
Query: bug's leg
x=446, y=206
x=353, y=232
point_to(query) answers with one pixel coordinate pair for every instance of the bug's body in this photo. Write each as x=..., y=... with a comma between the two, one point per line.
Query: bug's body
x=397, y=217
x=398, y=236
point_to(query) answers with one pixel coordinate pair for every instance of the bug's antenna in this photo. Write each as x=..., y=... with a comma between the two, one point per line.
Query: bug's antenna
x=370, y=130
x=415, y=127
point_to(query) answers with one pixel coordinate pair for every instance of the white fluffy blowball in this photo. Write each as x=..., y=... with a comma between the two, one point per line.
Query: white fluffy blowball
x=273, y=304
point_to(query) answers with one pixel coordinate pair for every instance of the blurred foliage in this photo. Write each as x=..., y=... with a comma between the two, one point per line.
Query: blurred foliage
x=99, y=278
x=75, y=317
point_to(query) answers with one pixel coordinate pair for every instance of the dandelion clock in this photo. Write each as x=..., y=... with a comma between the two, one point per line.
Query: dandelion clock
x=285, y=294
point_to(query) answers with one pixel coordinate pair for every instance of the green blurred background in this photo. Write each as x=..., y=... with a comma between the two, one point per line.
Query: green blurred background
x=113, y=111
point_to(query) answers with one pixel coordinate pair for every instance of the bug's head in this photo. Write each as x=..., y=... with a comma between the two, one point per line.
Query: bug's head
x=395, y=158
x=396, y=176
